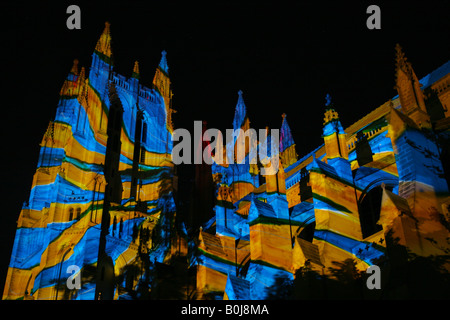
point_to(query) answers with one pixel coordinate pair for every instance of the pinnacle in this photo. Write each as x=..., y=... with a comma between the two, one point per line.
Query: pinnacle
x=330, y=113
x=104, y=42
x=399, y=56
x=106, y=30
x=240, y=112
x=328, y=100
x=399, y=50
x=163, y=63
x=74, y=69
x=136, y=70
x=401, y=62
x=82, y=74
x=286, y=139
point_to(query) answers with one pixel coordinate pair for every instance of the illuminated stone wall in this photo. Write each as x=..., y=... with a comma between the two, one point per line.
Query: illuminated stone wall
x=102, y=188
x=102, y=195
x=378, y=183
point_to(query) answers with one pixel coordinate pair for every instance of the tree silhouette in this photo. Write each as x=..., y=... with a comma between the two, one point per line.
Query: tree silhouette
x=404, y=275
x=282, y=289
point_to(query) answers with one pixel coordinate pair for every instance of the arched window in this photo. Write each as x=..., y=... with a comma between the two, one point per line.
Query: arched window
x=78, y=213
x=70, y=214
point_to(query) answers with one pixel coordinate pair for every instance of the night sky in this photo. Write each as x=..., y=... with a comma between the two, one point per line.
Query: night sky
x=284, y=58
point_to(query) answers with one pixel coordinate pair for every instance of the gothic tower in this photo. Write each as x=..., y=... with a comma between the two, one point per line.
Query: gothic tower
x=333, y=133
x=102, y=195
x=288, y=155
x=409, y=91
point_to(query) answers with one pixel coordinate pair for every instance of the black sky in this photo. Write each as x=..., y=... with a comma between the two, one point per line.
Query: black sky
x=285, y=58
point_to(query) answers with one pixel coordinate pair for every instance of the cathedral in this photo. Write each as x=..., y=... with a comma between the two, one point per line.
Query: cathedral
x=105, y=199
x=102, y=195
x=374, y=193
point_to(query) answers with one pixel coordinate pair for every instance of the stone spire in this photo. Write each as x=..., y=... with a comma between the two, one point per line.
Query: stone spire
x=240, y=112
x=161, y=83
x=74, y=81
x=104, y=43
x=82, y=75
x=401, y=60
x=287, y=144
x=82, y=86
x=408, y=87
x=330, y=113
x=135, y=73
x=74, y=69
x=163, y=63
x=333, y=133
x=286, y=139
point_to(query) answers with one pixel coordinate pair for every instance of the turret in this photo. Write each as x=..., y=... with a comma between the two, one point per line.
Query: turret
x=334, y=135
x=240, y=113
x=102, y=65
x=240, y=122
x=134, y=81
x=287, y=145
x=135, y=74
x=335, y=140
x=408, y=88
x=74, y=81
x=73, y=89
x=161, y=83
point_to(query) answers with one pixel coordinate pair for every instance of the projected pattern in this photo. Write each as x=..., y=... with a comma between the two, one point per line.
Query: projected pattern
x=110, y=135
x=381, y=178
x=102, y=195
